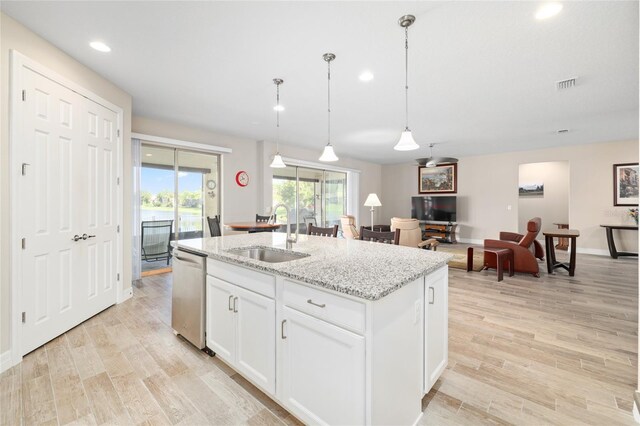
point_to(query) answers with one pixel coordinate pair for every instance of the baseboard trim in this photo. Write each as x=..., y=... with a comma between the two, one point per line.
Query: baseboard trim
x=595, y=252
x=5, y=361
x=470, y=241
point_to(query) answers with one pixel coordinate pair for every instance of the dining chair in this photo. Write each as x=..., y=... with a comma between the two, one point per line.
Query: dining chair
x=332, y=231
x=214, y=226
x=266, y=219
x=392, y=237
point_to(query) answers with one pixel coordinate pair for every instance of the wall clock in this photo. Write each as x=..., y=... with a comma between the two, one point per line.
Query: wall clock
x=211, y=184
x=242, y=178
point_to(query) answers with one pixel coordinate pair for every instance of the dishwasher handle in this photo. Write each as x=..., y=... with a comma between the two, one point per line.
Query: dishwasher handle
x=189, y=259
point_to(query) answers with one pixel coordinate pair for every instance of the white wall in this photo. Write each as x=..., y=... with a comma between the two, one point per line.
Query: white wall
x=488, y=185
x=15, y=36
x=553, y=206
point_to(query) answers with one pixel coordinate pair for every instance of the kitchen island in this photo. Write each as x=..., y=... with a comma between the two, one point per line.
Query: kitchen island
x=337, y=331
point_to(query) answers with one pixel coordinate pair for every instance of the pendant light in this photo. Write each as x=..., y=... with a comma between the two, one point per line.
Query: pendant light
x=432, y=161
x=328, y=154
x=406, y=142
x=277, y=162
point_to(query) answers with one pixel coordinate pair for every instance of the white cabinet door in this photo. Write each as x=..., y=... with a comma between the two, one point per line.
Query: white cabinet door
x=437, y=326
x=221, y=330
x=255, y=337
x=323, y=370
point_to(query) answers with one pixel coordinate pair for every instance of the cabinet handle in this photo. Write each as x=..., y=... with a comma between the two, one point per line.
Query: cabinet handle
x=282, y=329
x=432, y=295
x=230, y=307
x=316, y=304
x=235, y=308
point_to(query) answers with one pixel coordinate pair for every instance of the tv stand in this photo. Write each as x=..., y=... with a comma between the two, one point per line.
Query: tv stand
x=443, y=233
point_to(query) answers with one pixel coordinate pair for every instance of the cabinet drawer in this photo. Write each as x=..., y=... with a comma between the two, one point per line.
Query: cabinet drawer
x=338, y=310
x=250, y=279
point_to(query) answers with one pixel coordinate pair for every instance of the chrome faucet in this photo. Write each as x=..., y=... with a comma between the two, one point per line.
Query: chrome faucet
x=290, y=240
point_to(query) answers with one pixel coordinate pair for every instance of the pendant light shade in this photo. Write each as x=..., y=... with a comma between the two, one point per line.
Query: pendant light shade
x=277, y=162
x=328, y=154
x=406, y=142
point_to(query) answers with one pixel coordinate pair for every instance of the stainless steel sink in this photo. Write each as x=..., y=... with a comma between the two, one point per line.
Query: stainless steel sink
x=266, y=254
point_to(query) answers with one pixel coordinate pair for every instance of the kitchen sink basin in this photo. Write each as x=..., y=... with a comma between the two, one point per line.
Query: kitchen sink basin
x=266, y=254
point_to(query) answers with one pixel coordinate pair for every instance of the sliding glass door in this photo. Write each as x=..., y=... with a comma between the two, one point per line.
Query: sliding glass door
x=314, y=196
x=178, y=190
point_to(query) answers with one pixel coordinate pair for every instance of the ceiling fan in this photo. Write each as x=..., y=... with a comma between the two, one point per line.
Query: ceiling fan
x=432, y=161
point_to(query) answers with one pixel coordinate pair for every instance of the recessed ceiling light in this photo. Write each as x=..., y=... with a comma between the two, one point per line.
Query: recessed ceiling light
x=100, y=46
x=548, y=10
x=148, y=155
x=366, y=76
x=278, y=108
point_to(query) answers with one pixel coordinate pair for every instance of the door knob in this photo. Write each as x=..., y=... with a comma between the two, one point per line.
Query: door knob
x=76, y=238
x=85, y=236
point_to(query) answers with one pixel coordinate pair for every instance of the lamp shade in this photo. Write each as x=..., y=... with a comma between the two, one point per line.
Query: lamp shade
x=328, y=154
x=372, y=201
x=277, y=162
x=406, y=142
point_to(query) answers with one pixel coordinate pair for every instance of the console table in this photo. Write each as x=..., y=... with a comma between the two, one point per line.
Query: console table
x=612, y=244
x=552, y=263
x=442, y=233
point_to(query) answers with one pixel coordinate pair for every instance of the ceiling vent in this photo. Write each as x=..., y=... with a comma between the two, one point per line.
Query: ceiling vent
x=566, y=84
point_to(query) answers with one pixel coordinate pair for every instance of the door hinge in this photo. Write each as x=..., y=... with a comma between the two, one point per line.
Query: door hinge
x=24, y=168
x=24, y=243
x=118, y=132
x=118, y=228
x=117, y=277
x=24, y=317
x=117, y=181
x=24, y=95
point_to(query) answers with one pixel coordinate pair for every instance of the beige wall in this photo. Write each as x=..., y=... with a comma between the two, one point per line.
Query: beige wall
x=488, y=185
x=553, y=206
x=15, y=36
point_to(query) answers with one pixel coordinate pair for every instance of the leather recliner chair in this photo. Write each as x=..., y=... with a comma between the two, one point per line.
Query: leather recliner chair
x=525, y=248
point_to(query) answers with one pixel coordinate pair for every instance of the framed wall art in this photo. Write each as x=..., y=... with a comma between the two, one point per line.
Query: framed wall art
x=625, y=184
x=441, y=179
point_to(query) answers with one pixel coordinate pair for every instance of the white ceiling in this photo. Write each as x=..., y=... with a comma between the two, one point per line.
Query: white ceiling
x=482, y=74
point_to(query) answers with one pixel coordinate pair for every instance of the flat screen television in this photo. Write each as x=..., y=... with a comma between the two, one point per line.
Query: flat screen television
x=438, y=209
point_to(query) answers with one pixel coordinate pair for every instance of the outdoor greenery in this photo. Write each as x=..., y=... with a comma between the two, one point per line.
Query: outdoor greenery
x=165, y=198
x=284, y=191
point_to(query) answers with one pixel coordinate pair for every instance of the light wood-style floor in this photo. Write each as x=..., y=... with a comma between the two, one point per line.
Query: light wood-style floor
x=554, y=350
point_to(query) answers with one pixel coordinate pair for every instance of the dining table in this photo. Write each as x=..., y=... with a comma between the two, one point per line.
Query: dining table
x=252, y=227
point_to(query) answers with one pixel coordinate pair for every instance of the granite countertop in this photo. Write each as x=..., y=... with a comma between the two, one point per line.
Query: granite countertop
x=358, y=268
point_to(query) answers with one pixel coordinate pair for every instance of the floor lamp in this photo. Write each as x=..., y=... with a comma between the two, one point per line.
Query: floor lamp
x=372, y=201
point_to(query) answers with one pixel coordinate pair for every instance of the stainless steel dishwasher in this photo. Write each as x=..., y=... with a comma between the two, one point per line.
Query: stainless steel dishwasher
x=188, y=312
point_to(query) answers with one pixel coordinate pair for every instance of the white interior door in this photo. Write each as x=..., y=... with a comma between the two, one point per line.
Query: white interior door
x=68, y=188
